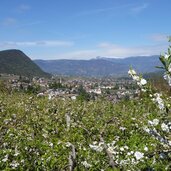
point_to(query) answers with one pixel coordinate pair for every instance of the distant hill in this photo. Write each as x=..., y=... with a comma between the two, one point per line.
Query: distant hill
x=81, y=67
x=16, y=62
x=100, y=66
x=143, y=64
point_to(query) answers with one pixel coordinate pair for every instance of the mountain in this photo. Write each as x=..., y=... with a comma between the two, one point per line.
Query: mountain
x=16, y=62
x=81, y=67
x=100, y=66
x=143, y=64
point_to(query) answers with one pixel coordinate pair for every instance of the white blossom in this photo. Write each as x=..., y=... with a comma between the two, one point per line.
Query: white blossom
x=146, y=129
x=155, y=122
x=5, y=158
x=143, y=90
x=121, y=149
x=50, y=96
x=126, y=147
x=122, y=128
x=111, y=150
x=169, y=68
x=136, y=78
x=164, y=127
x=143, y=81
x=113, y=143
x=16, y=153
x=167, y=77
x=169, y=143
x=138, y=155
x=86, y=165
x=132, y=152
x=132, y=72
x=95, y=142
x=45, y=135
x=166, y=56
x=68, y=144
x=5, y=144
x=140, y=81
x=145, y=148
x=51, y=144
x=128, y=153
x=14, y=164
x=150, y=122
x=159, y=101
x=97, y=148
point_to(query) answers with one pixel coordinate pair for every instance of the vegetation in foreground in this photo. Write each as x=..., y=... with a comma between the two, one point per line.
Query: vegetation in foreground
x=38, y=134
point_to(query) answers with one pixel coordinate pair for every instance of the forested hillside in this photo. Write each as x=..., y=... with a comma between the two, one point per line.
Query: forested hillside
x=16, y=62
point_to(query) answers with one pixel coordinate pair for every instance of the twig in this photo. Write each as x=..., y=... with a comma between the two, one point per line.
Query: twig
x=109, y=154
x=72, y=158
x=68, y=120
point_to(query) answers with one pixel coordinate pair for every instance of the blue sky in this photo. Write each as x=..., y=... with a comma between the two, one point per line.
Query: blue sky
x=84, y=29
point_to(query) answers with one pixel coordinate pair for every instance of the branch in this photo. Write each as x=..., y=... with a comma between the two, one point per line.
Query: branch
x=68, y=120
x=72, y=158
x=109, y=154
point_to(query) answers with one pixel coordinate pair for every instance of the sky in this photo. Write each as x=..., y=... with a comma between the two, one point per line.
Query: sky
x=85, y=29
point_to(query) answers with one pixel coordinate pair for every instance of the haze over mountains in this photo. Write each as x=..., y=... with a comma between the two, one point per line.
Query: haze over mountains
x=99, y=66
x=16, y=62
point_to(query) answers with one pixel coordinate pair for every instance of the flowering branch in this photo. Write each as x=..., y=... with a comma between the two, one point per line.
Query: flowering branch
x=166, y=61
x=142, y=83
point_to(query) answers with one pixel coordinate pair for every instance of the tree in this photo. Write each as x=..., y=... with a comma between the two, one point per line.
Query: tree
x=82, y=94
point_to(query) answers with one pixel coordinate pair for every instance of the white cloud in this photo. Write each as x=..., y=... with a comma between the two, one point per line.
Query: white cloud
x=133, y=7
x=104, y=49
x=43, y=43
x=9, y=22
x=158, y=37
x=30, y=24
x=24, y=7
x=114, y=8
x=96, y=11
x=114, y=51
x=139, y=8
x=80, y=54
x=105, y=45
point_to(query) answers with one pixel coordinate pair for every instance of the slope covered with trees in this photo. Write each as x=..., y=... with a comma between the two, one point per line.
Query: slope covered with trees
x=16, y=62
x=99, y=66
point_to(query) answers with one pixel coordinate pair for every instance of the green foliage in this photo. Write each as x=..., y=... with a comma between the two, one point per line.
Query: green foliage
x=166, y=59
x=3, y=87
x=35, y=136
x=56, y=85
x=82, y=94
x=32, y=89
x=16, y=62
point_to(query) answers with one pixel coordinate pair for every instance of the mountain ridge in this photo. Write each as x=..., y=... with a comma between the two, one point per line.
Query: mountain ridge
x=100, y=66
x=14, y=61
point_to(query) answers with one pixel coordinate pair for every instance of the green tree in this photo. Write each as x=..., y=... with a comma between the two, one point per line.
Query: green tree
x=56, y=85
x=82, y=94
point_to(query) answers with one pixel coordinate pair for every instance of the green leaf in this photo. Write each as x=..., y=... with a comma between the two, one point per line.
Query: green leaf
x=169, y=59
x=160, y=67
x=169, y=39
x=162, y=59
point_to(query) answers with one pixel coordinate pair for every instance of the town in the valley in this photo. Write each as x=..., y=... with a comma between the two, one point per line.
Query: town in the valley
x=111, y=88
